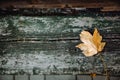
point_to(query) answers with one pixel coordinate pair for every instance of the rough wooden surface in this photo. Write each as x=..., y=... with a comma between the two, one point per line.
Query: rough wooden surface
x=61, y=4
x=46, y=45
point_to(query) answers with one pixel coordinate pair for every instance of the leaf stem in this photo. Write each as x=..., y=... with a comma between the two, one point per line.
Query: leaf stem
x=105, y=67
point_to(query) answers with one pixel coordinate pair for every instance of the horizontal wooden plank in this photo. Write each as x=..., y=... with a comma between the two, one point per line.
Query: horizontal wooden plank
x=57, y=27
x=111, y=8
x=62, y=4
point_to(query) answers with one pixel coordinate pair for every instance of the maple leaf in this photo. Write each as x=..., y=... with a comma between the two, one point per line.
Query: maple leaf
x=97, y=38
x=91, y=43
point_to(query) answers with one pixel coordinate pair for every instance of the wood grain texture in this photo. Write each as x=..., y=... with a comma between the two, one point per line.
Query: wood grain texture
x=107, y=5
x=46, y=45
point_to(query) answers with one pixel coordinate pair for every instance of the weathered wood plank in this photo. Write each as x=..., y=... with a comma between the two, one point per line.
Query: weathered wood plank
x=46, y=45
x=37, y=4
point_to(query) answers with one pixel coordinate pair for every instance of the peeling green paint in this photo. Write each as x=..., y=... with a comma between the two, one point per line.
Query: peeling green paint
x=46, y=45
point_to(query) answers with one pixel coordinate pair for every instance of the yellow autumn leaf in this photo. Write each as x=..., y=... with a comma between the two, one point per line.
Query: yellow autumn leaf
x=91, y=44
x=88, y=50
x=93, y=75
x=97, y=38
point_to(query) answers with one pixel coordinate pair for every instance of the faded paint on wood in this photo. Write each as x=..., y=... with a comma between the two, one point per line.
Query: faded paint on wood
x=46, y=45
